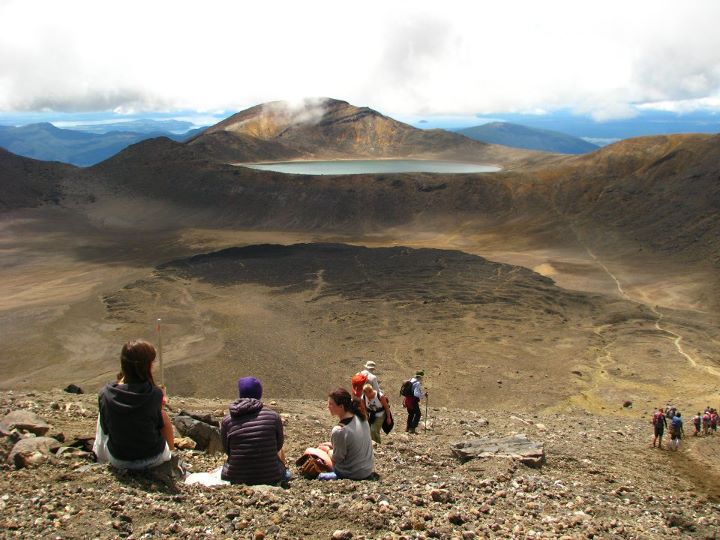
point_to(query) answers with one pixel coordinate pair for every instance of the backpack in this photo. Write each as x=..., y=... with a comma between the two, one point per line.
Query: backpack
x=406, y=390
x=358, y=381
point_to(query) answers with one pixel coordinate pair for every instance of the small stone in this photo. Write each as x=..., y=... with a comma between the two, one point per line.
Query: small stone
x=341, y=534
x=441, y=495
x=185, y=443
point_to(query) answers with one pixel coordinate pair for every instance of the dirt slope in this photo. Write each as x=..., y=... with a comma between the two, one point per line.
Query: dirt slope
x=600, y=479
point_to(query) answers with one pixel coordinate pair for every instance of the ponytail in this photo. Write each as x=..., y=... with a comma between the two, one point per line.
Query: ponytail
x=343, y=398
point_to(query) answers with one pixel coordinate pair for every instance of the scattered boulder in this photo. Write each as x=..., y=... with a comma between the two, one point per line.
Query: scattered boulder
x=185, y=443
x=73, y=389
x=517, y=447
x=627, y=403
x=32, y=451
x=82, y=442
x=206, y=436
x=7, y=442
x=24, y=421
x=202, y=417
x=72, y=451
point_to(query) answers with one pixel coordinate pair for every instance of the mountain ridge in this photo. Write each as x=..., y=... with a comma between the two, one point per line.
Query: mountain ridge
x=329, y=129
x=520, y=136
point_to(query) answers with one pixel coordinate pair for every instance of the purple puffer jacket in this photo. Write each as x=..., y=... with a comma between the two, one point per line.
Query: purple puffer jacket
x=252, y=436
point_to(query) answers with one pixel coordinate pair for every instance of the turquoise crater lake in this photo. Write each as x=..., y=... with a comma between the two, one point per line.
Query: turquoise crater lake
x=372, y=166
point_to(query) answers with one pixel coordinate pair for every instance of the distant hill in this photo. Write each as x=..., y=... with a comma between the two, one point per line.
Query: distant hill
x=518, y=136
x=329, y=129
x=179, y=127
x=49, y=143
x=26, y=182
x=658, y=193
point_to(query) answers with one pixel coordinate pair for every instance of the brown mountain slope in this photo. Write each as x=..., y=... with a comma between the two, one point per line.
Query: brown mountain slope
x=27, y=182
x=659, y=193
x=330, y=129
x=662, y=193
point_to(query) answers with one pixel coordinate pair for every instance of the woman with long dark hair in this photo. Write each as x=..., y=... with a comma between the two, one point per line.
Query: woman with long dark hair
x=133, y=430
x=352, y=452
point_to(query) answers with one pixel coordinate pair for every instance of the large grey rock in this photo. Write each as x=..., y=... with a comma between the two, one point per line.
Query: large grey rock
x=32, y=451
x=206, y=437
x=518, y=447
x=24, y=421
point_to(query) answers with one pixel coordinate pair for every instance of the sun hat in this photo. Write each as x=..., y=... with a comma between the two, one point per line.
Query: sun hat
x=249, y=387
x=370, y=365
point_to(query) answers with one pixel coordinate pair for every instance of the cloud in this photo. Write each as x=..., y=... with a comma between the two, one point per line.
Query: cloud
x=302, y=111
x=402, y=58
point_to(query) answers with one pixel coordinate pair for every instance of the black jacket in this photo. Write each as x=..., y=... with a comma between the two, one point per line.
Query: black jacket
x=252, y=435
x=130, y=416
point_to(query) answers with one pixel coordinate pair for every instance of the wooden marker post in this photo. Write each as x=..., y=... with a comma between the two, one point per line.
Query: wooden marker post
x=160, y=355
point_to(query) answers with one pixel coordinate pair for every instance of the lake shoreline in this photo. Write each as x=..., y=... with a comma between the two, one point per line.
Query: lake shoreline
x=344, y=166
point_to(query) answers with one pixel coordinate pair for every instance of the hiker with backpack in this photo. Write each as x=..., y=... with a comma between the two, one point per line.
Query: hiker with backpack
x=706, y=421
x=412, y=391
x=378, y=409
x=369, y=372
x=659, y=423
x=676, y=430
x=697, y=422
x=133, y=428
x=252, y=436
x=350, y=444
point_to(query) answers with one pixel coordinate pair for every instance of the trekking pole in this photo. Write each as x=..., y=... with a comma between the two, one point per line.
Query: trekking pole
x=160, y=355
x=427, y=399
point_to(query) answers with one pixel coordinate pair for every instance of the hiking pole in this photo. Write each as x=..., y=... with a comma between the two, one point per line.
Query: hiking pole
x=427, y=398
x=160, y=356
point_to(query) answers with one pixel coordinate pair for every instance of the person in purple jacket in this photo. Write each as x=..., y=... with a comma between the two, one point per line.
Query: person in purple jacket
x=253, y=438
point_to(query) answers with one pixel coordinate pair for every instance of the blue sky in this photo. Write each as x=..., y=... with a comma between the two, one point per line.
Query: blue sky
x=607, y=61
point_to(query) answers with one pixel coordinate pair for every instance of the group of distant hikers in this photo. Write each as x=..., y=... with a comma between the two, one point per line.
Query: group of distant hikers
x=705, y=423
x=134, y=431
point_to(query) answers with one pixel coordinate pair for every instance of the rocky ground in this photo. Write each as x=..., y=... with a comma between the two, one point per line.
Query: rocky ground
x=600, y=479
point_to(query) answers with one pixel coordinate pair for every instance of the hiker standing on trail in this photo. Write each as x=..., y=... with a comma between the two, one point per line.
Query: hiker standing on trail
x=253, y=438
x=697, y=422
x=133, y=428
x=660, y=423
x=376, y=404
x=676, y=430
x=412, y=402
x=706, y=421
x=369, y=372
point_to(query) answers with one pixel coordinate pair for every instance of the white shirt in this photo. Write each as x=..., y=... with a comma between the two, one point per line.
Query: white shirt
x=372, y=379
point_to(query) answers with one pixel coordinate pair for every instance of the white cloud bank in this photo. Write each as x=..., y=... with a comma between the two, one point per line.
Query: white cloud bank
x=401, y=57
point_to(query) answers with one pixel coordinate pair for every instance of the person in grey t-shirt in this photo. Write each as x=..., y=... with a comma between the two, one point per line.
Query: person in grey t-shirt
x=352, y=452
